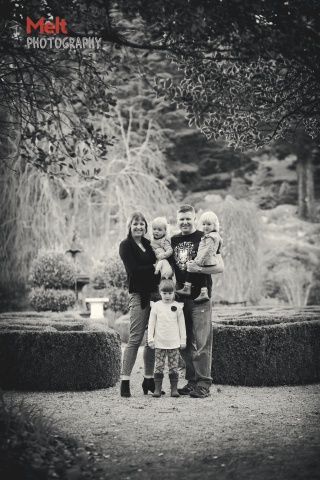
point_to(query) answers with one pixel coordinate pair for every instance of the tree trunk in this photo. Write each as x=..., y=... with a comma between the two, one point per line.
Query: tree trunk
x=310, y=197
x=306, y=193
x=302, y=193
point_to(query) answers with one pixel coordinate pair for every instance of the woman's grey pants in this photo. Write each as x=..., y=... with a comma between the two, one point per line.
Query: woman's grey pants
x=139, y=318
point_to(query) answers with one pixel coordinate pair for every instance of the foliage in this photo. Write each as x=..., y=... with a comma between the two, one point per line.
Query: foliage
x=246, y=72
x=307, y=153
x=240, y=228
x=52, y=269
x=250, y=80
x=244, y=68
x=39, y=212
x=290, y=256
x=296, y=282
x=110, y=272
x=31, y=446
x=52, y=273
x=57, y=359
x=28, y=443
x=31, y=218
x=111, y=276
x=249, y=352
x=43, y=299
x=118, y=299
x=56, y=119
x=290, y=277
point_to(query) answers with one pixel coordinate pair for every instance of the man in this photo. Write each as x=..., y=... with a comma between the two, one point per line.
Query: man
x=198, y=354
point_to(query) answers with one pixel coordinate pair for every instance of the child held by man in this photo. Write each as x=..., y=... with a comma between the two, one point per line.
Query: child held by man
x=167, y=334
x=209, y=246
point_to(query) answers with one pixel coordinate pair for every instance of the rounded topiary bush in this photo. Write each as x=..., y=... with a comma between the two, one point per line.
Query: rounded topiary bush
x=52, y=276
x=52, y=269
x=266, y=351
x=43, y=299
x=59, y=359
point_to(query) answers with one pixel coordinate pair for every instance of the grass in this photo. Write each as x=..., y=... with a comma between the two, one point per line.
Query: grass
x=31, y=447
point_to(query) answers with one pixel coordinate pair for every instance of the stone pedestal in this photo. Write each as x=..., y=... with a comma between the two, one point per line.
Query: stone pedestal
x=96, y=306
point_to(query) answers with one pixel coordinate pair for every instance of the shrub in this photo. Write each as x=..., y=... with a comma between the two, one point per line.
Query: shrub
x=52, y=269
x=110, y=275
x=118, y=300
x=266, y=351
x=32, y=448
x=110, y=272
x=50, y=299
x=59, y=359
x=52, y=273
x=290, y=275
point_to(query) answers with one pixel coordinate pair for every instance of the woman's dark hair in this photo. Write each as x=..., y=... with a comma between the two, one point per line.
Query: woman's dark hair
x=166, y=285
x=136, y=216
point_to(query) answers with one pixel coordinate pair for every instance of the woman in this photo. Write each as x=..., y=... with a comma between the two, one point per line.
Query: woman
x=139, y=260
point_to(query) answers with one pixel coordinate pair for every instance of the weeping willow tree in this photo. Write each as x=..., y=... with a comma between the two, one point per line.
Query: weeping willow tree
x=131, y=179
x=242, y=234
x=40, y=211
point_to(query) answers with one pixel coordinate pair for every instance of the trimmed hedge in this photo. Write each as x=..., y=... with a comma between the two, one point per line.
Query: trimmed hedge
x=63, y=356
x=266, y=351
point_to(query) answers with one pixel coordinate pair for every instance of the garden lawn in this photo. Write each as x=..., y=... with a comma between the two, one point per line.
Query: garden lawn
x=238, y=433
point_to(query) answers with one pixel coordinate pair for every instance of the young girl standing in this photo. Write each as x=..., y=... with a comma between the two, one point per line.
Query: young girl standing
x=167, y=334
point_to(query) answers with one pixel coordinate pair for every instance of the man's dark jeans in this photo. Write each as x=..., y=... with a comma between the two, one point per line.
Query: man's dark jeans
x=198, y=354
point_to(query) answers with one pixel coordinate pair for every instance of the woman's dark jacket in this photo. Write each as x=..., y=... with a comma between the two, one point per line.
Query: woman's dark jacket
x=139, y=266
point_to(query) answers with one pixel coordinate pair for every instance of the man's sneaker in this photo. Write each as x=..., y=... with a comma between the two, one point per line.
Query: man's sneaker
x=186, y=390
x=199, y=392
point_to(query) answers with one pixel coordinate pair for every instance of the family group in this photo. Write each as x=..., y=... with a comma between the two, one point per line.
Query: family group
x=161, y=271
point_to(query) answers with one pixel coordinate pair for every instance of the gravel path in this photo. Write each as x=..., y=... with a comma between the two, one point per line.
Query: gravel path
x=238, y=433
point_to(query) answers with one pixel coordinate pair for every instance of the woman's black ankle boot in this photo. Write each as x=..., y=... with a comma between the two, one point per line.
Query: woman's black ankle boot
x=125, y=388
x=148, y=385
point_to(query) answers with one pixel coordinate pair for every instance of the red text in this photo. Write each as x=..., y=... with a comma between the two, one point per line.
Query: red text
x=58, y=26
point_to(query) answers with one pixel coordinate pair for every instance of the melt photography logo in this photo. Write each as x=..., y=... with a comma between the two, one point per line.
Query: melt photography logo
x=50, y=39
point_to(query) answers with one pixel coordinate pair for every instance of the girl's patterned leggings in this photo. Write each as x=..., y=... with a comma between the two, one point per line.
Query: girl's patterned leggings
x=173, y=359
